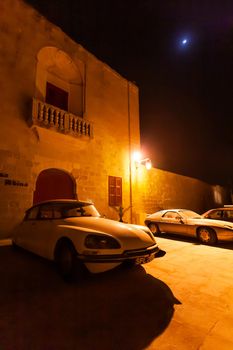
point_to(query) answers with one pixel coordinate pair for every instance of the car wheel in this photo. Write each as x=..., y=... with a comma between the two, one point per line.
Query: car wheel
x=206, y=235
x=14, y=245
x=154, y=228
x=67, y=261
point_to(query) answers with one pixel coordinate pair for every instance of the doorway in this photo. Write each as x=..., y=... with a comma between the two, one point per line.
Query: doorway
x=54, y=184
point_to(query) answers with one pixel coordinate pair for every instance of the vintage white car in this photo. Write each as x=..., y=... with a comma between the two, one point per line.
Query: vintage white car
x=189, y=223
x=74, y=235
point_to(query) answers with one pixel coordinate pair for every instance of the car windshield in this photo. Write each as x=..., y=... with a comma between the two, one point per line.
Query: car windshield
x=80, y=210
x=190, y=214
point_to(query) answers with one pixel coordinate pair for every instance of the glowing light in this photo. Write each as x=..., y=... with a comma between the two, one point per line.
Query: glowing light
x=184, y=41
x=148, y=164
x=137, y=156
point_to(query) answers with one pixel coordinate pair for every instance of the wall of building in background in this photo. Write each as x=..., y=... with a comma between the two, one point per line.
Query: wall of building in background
x=34, y=51
x=157, y=189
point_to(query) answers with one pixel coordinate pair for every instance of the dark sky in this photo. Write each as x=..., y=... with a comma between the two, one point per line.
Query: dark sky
x=186, y=92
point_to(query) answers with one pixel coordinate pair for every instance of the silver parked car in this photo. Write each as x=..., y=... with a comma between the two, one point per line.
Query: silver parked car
x=225, y=213
x=189, y=223
x=73, y=234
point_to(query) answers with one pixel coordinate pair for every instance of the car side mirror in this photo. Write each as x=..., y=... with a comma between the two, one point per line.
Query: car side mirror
x=180, y=219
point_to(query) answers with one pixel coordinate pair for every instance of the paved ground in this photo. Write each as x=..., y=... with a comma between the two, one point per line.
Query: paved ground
x=181, y=301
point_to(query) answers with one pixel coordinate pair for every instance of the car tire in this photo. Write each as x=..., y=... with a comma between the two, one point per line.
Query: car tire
x=14, y=245
x=67, y=262
x=154, y=228
x=207, y=235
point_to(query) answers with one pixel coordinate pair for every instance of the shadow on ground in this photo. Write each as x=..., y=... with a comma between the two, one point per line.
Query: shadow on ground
x=193, y=240
x=122, y=309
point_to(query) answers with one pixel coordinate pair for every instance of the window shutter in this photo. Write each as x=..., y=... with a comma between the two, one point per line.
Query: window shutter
x=114, y=191
x=111, y=191
x=118, y=191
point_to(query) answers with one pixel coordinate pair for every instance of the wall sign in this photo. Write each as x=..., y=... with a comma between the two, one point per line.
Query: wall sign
x=15, y=183
x=11, y=182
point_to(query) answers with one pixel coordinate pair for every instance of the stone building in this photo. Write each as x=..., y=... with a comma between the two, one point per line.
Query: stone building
x=69, y=125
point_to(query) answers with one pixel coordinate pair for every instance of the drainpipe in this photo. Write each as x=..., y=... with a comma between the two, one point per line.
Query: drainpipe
x=130, y=158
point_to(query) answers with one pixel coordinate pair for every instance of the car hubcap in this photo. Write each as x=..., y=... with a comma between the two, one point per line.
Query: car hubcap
x=204, y=235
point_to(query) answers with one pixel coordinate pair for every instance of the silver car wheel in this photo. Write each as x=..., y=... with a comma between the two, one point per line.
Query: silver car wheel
x=207, y=235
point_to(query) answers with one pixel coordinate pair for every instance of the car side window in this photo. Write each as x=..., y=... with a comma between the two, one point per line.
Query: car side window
x=170, y=215
x=57, y=213
x=32, y=214
x=46, y=212
x=217, y=214
x=228, y=215
x=74, y=212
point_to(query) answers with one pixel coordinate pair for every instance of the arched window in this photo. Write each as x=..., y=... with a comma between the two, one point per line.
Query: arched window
x=60, y=80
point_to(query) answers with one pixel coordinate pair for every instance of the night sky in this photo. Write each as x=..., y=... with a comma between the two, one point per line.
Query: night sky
x=186, y=89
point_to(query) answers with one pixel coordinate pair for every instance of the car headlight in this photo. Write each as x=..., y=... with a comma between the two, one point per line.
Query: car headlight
x=101, y=242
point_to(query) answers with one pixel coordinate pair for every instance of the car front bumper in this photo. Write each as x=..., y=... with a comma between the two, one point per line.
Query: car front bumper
x=140, y=256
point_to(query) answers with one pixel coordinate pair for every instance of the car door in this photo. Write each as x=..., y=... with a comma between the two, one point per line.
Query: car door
x=173, y=223
x=36, y=229
x=42, y=229
x=25, y=231
x=169, y=223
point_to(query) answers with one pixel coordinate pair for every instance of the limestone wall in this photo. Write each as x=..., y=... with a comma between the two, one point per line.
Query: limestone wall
x=157, y=189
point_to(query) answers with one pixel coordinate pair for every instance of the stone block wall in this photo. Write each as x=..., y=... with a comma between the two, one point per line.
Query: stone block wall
x=157, y=189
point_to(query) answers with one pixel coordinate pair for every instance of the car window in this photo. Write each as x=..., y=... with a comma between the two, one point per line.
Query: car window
x=46, y=212
x=57, y=213
x=217, y=214
x=81, y=210
x=228, y=214
x=74, y=212
x=32, y=214
x=170, y=215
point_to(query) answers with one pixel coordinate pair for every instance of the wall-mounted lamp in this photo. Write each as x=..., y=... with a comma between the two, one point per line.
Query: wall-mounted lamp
x=138, y=160
x=146, y=162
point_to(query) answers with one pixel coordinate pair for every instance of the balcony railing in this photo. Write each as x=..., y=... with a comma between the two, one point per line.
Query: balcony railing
x=54, y=118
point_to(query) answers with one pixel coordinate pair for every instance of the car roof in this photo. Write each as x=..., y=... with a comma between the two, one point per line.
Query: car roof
x=223, y=208
x=60, y=201
x=172, y=209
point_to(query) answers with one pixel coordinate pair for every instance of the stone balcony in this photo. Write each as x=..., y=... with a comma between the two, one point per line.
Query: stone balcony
x=56, y=119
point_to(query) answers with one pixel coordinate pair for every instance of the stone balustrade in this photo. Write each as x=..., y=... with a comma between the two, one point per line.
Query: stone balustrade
x=51, y=117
